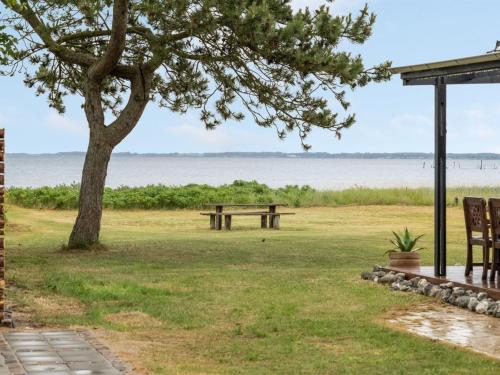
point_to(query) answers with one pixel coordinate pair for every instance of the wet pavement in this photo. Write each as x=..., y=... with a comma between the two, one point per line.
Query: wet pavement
x=456, y=326
x=56, y=353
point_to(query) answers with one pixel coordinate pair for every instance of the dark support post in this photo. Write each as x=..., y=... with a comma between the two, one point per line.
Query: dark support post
x=263, y=221
x=212, y=221
x=272, y=210
x=227, y=221
x=218, y=218
x=440, y=179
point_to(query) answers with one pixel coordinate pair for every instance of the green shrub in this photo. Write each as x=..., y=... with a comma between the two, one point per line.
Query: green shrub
x=195, y=196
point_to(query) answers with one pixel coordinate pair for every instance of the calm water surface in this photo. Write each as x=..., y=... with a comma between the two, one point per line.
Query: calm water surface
x=138, y=170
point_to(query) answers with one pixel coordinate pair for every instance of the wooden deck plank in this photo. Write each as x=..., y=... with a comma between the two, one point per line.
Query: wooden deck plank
x=456, y=275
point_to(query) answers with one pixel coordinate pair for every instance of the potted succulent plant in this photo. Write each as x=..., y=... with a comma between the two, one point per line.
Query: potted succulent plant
x=405, y=253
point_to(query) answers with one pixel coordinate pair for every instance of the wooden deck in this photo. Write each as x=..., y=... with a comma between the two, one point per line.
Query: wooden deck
x=456, y=275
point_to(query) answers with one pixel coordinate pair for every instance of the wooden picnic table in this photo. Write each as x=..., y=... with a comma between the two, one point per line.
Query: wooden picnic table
x=272, y=213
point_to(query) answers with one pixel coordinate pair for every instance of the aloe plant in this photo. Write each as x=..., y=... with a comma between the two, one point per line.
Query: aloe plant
x=404, y=242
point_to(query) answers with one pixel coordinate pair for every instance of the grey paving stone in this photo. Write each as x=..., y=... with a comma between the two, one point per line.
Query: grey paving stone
x=82, y=357
x=96, y=372
x=58, y=333
x=89, y=366
x=38, y=357
x=35, y=340
x=56, y=353
x=30, y=346
x=62, y=338
x=46, y=367
x=20, y=334
x=69, y=345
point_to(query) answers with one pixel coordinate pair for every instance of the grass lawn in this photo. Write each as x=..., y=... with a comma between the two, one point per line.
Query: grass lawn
x=179, y=298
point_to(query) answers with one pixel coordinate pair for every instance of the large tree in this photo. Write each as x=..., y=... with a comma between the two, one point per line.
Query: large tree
x=216, y=56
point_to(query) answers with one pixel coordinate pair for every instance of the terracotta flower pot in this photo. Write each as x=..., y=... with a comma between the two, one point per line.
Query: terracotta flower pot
x=400, y=259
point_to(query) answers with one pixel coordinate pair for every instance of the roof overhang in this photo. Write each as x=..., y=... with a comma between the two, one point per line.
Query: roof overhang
x=475, y=69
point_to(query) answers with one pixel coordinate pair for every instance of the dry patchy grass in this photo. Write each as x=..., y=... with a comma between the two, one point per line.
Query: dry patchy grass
x=173, y=297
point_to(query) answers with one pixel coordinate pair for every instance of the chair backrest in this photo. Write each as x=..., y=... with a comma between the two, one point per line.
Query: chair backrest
x=475, y=215
x=494, y=207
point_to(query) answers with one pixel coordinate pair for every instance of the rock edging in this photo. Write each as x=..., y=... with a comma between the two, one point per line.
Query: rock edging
x=446, y=292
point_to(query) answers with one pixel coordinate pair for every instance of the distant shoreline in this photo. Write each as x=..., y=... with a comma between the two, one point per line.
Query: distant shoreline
x=283, y=155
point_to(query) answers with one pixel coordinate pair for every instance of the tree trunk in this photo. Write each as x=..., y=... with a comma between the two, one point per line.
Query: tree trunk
x=102, y=140
x=88, y=222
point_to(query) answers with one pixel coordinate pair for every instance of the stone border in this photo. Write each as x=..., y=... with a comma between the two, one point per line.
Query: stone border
x=10, y=359
x=106, y=352
x=446, y=292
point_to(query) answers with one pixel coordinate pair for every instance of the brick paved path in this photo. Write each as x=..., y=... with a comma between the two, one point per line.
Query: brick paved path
x=56, y=353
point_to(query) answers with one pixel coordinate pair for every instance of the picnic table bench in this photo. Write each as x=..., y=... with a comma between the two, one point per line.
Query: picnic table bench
x=271, y=213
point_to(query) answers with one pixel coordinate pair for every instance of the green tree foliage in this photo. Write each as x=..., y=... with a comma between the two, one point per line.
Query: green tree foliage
x=205, y=54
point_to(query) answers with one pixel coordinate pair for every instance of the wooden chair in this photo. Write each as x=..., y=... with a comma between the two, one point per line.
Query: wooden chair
x=476, y=222
x=494, y=207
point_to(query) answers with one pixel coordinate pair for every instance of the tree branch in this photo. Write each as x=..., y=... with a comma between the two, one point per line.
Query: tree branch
x=64, y=54
x=114, y=50
x=97, y=33
x=41, y=30
x=129, y=117
x=93, y=106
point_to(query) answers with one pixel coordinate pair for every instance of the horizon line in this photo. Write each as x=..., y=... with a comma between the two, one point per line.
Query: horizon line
x=265, y=153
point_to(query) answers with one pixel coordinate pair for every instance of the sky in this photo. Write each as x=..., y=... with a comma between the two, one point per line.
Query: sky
x=390, y=117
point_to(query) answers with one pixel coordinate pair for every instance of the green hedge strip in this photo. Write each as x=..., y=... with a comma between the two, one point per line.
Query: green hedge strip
x=197, y=196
